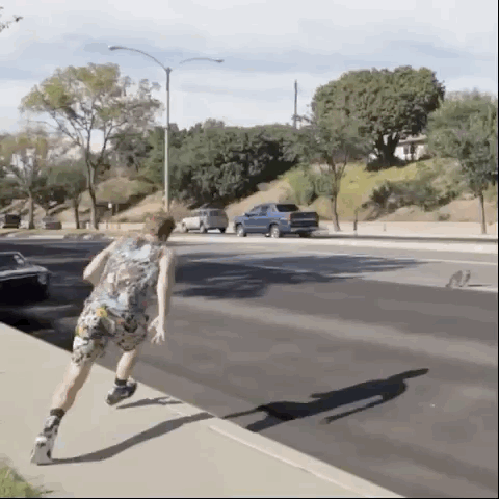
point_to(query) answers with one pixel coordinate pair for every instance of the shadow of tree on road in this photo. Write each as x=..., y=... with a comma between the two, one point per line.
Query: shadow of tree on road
x=246, y=280
x=279, y=412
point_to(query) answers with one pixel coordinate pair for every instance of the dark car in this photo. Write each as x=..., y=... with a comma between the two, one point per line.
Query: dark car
x=18, y=277
x=276, y=220
x=51, y=223
x=10, y=221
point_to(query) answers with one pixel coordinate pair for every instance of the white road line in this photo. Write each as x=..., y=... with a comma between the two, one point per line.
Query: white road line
x=300, y=254
x=405, y=259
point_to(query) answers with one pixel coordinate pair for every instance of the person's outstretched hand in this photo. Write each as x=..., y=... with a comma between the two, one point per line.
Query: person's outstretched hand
x=160, y=329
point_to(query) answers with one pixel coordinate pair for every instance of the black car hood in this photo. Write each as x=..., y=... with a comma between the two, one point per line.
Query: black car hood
x=15, y=271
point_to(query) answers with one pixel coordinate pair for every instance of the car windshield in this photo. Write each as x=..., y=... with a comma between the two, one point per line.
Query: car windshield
x=287, y=208
x=11, y=261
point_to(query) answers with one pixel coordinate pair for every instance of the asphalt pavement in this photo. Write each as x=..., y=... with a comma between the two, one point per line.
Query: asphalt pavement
x=361, y=359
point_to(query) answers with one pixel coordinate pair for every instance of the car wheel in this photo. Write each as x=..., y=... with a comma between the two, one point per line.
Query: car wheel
x=240, y=232
x=183, y=229
x=222, y=231
x=203, y=229
x=275, y=232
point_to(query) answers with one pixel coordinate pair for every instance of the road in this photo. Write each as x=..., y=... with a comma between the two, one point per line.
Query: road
x=365, y=361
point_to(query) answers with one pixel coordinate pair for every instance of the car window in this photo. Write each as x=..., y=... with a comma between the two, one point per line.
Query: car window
x=9, y=261
x=215, y=213
x=287, y=208
x=263, y=210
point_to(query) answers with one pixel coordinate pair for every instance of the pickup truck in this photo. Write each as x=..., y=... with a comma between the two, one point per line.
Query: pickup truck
x=275, y=220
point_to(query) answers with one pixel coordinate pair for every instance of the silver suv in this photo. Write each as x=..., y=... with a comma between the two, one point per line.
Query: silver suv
x=205, y=219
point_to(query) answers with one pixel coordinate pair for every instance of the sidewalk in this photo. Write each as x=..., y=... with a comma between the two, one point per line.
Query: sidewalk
x=154, y=446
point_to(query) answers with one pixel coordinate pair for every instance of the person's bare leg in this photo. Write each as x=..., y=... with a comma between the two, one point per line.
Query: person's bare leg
x=62, y=400
x=127, y=363
x=124, y=386
x=74, y=379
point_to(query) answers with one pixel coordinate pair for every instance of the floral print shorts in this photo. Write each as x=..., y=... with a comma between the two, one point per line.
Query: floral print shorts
x=97, y=325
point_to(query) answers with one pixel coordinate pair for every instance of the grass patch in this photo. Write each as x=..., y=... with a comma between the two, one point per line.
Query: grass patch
x=13, y=485
x=358, y=184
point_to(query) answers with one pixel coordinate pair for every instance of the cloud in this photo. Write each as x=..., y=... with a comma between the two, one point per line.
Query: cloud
x=266, y=44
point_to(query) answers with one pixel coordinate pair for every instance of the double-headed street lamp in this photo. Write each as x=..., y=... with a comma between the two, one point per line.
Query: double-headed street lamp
x=167, y=72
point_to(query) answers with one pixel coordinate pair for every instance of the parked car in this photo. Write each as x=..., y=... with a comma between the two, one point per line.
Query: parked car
x=275, y=220
x=17, y=275
x=51, y=223
x=205, y=219
x=10, y=221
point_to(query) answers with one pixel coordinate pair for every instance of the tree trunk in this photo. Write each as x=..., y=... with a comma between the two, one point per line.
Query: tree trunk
x=76, y=213
x=91, y=174
x=387, y=149
x=482, y=212
x=31, y=214
x=93, y=208
x=379, y=145
x=336, y=220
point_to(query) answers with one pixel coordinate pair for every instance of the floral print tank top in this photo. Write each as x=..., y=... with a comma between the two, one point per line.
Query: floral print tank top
x=128, y=283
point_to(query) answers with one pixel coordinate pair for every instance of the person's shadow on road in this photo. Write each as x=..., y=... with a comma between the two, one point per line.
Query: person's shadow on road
x=382, y=389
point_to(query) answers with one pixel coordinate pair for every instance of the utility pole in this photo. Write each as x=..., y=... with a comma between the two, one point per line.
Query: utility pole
x=295, y=115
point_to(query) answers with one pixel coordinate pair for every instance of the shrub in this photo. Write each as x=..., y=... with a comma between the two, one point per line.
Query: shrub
x=303, y=188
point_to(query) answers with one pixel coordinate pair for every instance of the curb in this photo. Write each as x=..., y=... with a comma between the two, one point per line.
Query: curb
x=322, y=237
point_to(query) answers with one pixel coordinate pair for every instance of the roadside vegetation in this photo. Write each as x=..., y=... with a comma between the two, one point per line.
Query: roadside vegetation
x=13, y=485
x=341, y=161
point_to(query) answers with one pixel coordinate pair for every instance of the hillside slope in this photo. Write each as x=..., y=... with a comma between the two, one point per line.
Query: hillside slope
x=356, y=188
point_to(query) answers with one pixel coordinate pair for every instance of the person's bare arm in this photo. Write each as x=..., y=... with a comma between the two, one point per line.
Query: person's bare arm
x=94, y=269
x=164, y=289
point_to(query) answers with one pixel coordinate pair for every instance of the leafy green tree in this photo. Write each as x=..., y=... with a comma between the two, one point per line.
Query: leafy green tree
x=68, y=177
x=6, y=24
x=466, y=129
x=88, y=101
x=24, y=158
x=216, y=163
x=330, y=143
x=387, y=104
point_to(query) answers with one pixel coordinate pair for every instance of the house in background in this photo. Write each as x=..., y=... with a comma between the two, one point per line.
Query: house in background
x=411, y=148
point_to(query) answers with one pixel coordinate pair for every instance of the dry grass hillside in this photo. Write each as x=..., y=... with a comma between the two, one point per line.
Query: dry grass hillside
x=355, y=190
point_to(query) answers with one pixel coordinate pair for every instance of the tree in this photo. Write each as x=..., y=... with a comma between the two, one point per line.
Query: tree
x=24, y=157
x=69, y=176
x=387, y=104
x=6, y=24
x=88, y=101
x=332, y=142
x=466, y=129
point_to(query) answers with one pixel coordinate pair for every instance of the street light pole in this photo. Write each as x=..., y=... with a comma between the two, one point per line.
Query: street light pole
x=167, y=150
x=167, y=125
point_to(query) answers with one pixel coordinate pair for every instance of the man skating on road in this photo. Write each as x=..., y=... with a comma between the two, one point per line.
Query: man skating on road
x=133, y=279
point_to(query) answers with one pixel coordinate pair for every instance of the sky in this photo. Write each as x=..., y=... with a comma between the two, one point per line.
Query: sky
x=266, y=45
